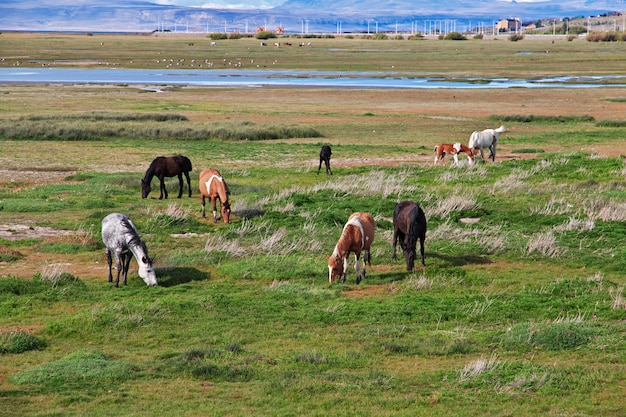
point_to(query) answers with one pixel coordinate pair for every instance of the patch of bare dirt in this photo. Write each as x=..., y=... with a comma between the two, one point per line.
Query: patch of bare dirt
x=23, y=231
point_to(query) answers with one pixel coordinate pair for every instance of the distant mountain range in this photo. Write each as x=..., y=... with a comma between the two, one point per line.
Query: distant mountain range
x=295, y=16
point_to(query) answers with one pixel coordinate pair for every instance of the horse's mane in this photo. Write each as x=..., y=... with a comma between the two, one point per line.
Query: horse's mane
x=151, y=170
x=135, y=244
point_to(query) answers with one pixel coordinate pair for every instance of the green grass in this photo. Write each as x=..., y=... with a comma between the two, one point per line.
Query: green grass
x=518, y=312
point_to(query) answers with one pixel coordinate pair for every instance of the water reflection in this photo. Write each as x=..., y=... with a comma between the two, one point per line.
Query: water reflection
x=259, y=78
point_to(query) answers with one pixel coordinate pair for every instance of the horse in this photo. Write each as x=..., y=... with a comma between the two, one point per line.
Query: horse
x=169, y=166
x=447, y=148
x=325, y=154
x=487, y=138
x=213, y=186
x=409, y=225
x=120, y=237
x=357, y=236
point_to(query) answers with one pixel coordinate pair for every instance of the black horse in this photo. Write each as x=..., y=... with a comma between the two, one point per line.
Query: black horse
x=409, y=224
x=325, y=157
x=163, y=167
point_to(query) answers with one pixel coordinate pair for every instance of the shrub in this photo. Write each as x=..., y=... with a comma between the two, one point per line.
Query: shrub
x=514, y=37
x=380, y=37
x=19, y=342
x=81, y=367
x=454, y=36
x=217, y=36
x=603, y=36
x=265, y=35
x=554, y=336
x=9, y=255
x=478, y=36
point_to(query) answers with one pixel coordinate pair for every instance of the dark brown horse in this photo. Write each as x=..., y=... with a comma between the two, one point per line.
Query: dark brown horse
x=325, y=154
x=169, y=166
x=409, y=225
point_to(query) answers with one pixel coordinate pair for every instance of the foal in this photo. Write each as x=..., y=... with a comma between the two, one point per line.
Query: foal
x=357, y=236
x=447, y=148
x=325, y=157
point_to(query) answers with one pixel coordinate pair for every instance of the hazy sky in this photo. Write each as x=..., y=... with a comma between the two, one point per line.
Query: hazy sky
x=235, y=4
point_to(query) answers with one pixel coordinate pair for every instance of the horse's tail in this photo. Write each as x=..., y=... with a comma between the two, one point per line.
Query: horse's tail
x=186, y=164
x=435, y=150
x=473, y=138
x=415, y=222
x=501, y=129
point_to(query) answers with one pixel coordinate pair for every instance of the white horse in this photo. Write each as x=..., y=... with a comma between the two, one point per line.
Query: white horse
x=487, y=138
x=121, y=237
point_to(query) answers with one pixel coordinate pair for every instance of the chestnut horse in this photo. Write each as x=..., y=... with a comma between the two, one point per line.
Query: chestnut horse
x=409, y=225
x=213, y=186
x=357, y=236
x=169, y=166
x=447, y=148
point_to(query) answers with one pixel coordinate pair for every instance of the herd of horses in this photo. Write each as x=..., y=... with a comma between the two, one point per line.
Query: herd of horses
x=122, y=240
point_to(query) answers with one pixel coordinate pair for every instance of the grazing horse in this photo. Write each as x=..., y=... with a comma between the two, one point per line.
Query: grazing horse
x=487, y=138
x=213, y=186
x=447, y=148
x=357, y=236
x=409, y=225
x=325, y=154
x=167, y=167
x=120, y=236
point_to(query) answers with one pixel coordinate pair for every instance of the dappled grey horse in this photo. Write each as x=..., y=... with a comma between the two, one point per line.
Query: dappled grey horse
x=121, y=237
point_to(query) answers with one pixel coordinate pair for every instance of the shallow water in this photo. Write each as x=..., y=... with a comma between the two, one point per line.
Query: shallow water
x=259, y=78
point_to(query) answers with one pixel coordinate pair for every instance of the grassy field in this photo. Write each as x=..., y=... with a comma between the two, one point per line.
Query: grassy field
x=519, y=311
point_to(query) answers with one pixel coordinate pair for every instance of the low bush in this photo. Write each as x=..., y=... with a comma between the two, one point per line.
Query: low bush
x=454, y=36
x=265, y=35
x=83, y=368
x=20, y=342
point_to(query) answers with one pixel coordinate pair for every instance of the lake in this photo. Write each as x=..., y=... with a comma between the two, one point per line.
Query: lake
x=260, y=78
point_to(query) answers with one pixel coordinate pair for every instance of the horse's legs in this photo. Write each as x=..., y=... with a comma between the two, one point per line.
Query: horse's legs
x=188, y=182
x=360, y=275
x=180, y=185
x=203, y=206
x=422, y=238
x=214, y=206
x=320, y=167
x=327, y=162
x=345, y=268
x=456, y=159
x=110, y=262
x=126, y=260
x=482, y=155
x=395, y=242
x=163, y=189
x=492, y=149
x=120, y=266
